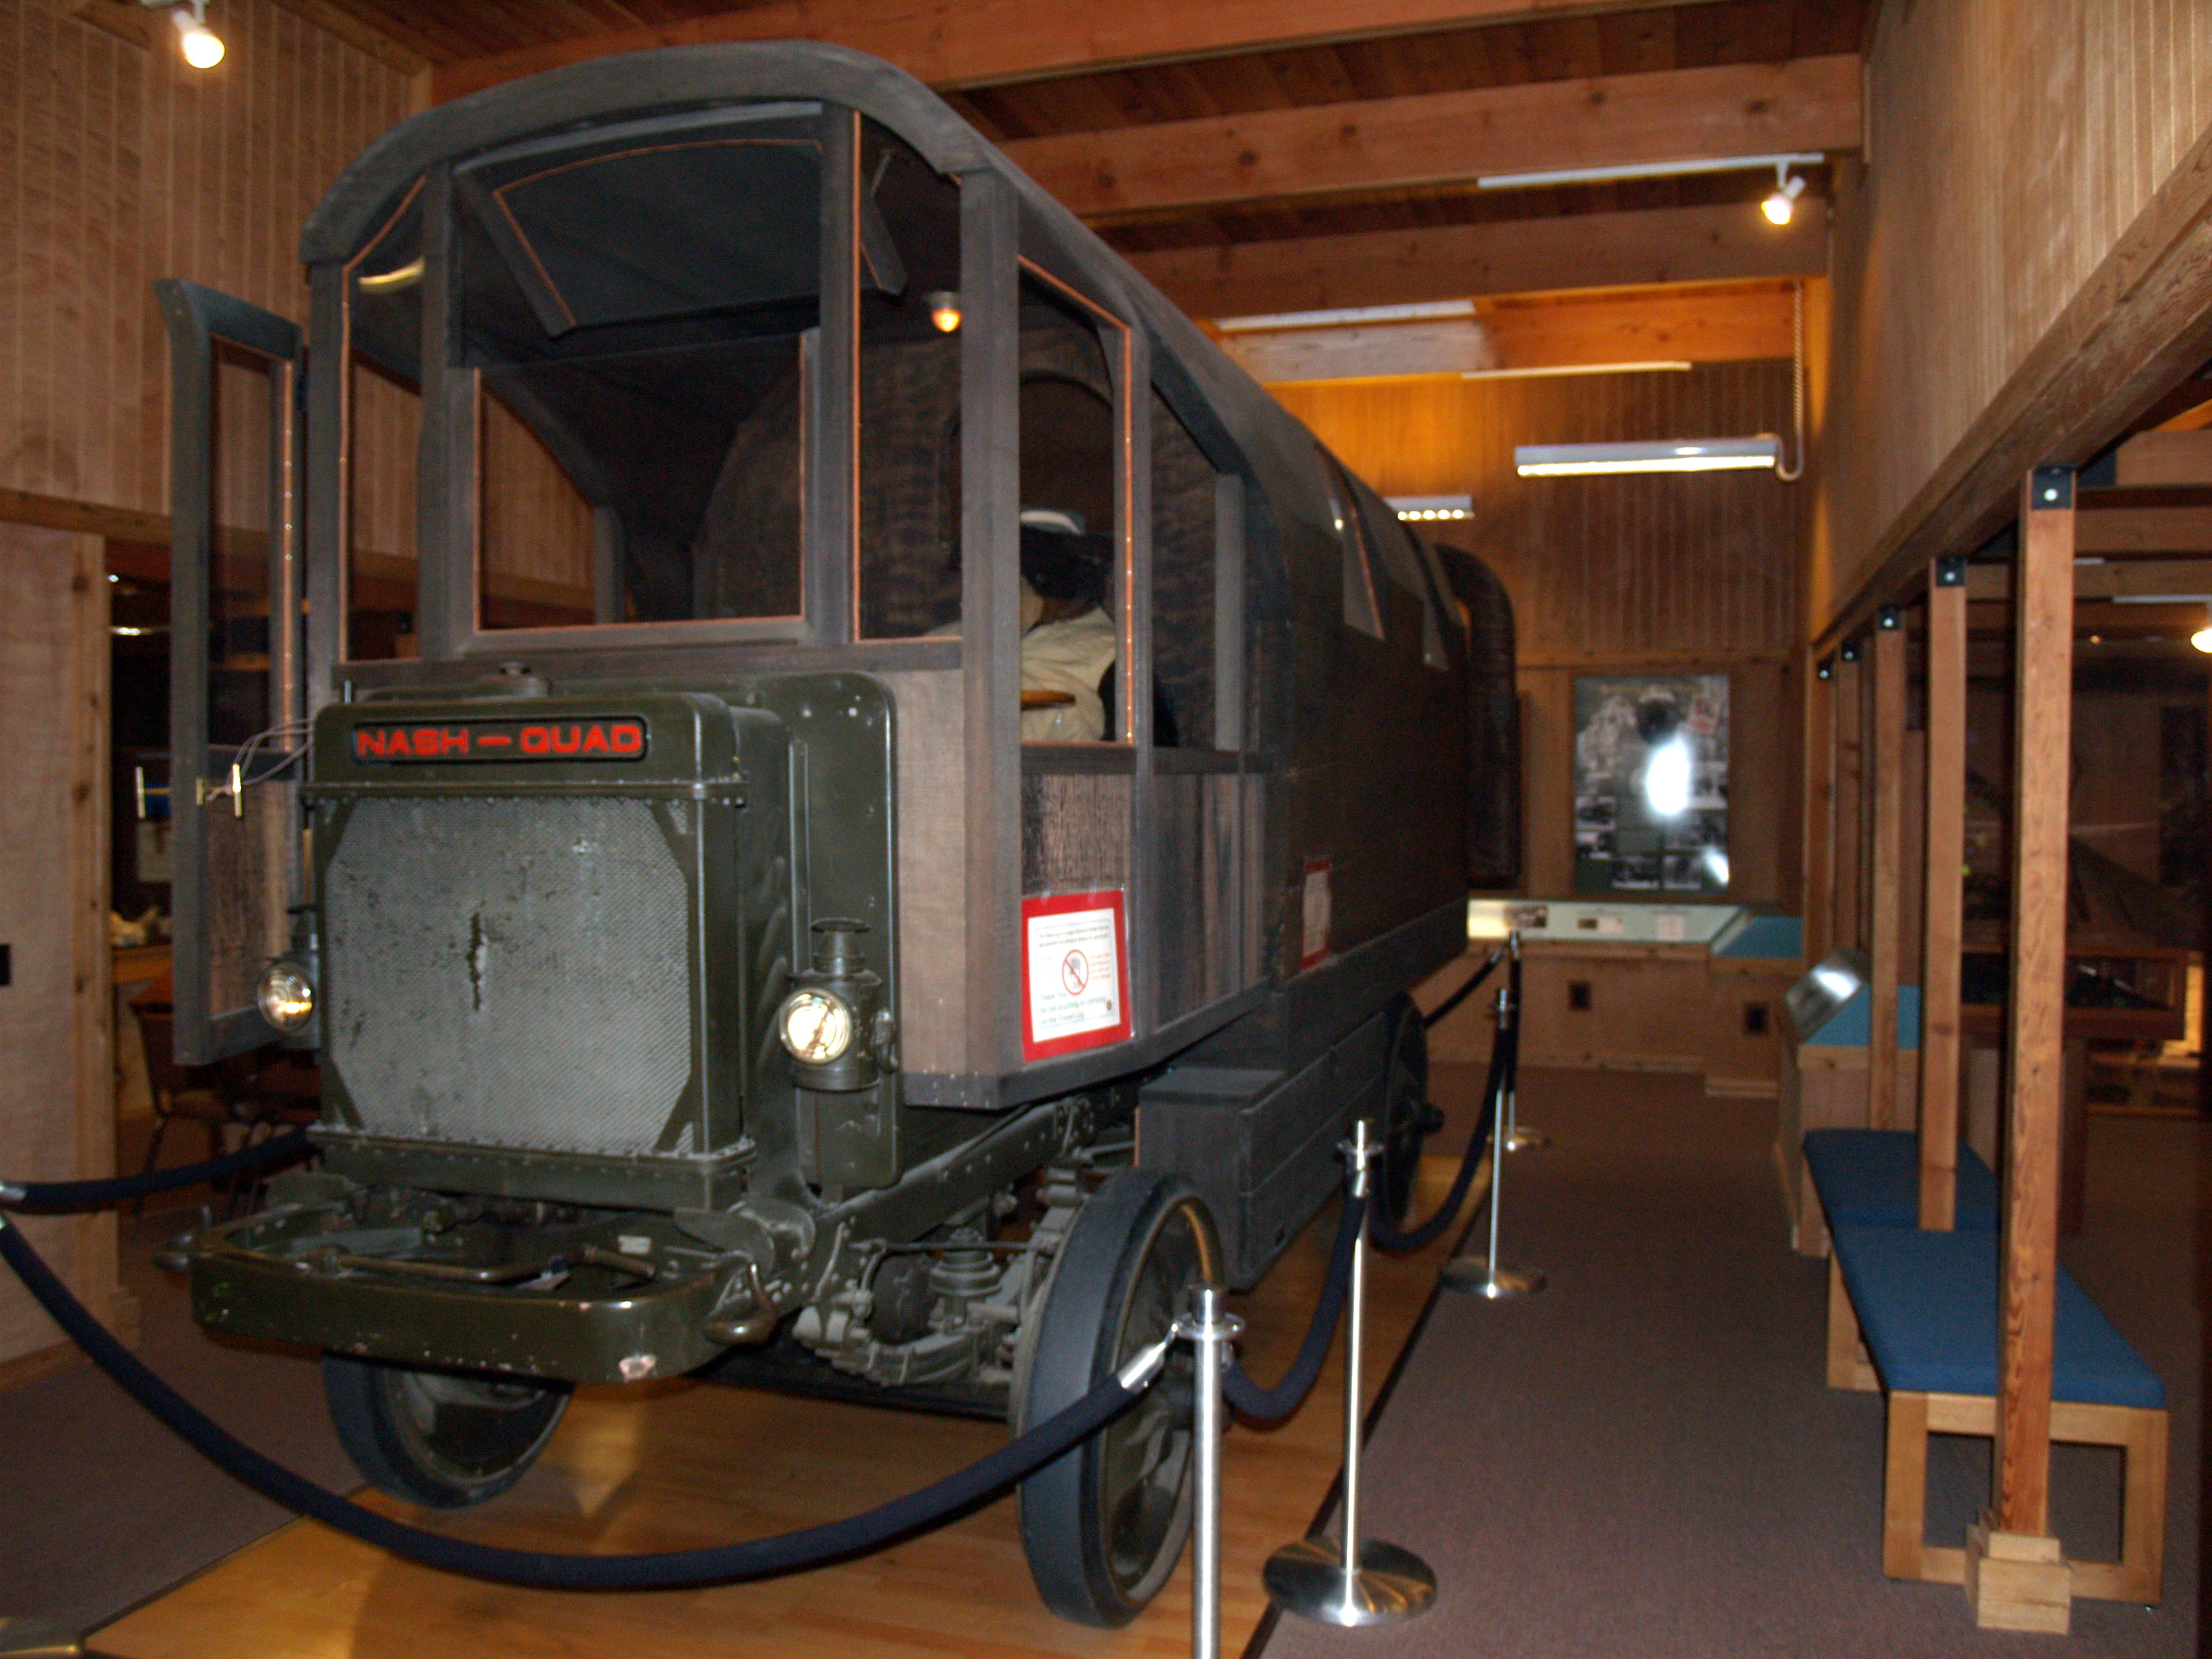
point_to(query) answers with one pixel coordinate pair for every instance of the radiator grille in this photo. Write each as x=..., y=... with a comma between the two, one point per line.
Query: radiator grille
x=508, y=973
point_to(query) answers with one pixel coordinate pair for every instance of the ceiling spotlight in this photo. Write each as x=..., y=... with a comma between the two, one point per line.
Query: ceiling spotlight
x=1779, y=206
x=202, y=45
x=944, y=311
x=2201, y=638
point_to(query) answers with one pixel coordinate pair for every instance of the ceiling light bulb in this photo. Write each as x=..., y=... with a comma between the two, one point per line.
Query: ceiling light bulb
x=203, y=46
x=2201, y=638
x=1783, y=204
x=944, y=311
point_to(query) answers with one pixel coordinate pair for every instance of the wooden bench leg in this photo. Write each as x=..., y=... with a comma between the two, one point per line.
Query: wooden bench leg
x=1849, y=1365
x=2140, y=1434
x=1905, y=1487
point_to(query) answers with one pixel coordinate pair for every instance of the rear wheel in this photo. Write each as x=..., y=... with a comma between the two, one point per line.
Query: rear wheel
x=1407, y=1118
x=445, y=1438
x=1103, y=1526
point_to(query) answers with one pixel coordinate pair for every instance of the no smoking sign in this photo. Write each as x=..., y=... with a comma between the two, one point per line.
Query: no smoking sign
x=1075, y=977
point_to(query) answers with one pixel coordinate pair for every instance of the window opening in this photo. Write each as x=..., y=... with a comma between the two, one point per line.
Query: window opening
x=1074, y=574
x=384, y=433
x=643, y=305
x=909, y=394
x=1186, y=495
x=1362, y=611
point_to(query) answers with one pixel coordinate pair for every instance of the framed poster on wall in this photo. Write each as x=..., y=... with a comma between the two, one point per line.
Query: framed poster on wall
x=1651, y=754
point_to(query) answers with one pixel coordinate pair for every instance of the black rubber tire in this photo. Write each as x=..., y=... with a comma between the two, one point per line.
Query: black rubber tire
x=1406, y=1117
x=1104, y=1525
x=448, y=1439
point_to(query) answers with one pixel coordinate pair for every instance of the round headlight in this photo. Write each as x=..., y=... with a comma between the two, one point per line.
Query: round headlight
x=287, y=995
x=816, y=1026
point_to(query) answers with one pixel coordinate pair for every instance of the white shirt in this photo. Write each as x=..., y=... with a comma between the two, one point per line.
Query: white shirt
x=1069, y=655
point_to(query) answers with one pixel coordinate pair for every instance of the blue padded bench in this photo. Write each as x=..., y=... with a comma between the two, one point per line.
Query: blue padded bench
x=1871, y=1178
x=1926, y=1303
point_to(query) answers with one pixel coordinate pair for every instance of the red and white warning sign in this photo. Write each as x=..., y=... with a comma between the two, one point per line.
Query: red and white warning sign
x=1075, y=973
x=1314, y=913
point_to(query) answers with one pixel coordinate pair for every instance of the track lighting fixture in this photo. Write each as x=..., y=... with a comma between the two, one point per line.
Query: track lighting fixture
x=201, y=46
x=1787, y=189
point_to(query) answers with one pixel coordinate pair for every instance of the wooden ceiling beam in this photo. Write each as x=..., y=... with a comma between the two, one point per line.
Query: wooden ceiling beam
x=1722, y=243
x=952, y=44
x=1448, y=138
x=1736, y=322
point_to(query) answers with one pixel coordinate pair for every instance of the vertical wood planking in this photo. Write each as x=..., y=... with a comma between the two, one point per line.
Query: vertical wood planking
x=2043, y=603
x=1885, y=896
x=122, y=165
x=1944, y=885
x=2016, y=144
x=1597, y=567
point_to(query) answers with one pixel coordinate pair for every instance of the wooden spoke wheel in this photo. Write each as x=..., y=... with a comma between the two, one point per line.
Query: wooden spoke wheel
x=1104, y=1525
x=445, y=1438
x=1407, y=1119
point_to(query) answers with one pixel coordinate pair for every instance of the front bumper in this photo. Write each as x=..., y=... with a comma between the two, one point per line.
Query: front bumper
x=262, y=1276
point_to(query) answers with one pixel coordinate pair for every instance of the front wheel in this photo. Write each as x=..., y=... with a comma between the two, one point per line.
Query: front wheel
x=1103, y=1526
x=445, y=1438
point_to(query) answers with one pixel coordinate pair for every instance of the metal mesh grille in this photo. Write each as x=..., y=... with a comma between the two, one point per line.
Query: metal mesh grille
x=508, y=973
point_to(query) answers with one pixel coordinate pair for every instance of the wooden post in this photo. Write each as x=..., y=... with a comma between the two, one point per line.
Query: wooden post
x=1885, y=896
x=1848, y=715
x=1943, y=911
x=2015, y=1532
x=1819, y=883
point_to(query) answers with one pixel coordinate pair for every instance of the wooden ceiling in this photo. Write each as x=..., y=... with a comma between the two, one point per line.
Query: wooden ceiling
x=1204, y=137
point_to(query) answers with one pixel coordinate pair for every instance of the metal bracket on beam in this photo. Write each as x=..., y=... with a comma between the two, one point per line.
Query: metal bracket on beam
x=2052, y=491
x=1889, y=619
x=1951, y=572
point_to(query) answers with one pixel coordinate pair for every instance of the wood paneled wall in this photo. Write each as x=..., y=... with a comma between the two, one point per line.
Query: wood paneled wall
x=1688, y=572
x=1654, y=567
x=2010, y=145
x=125, y=165
x=57, y=1086
x=121, y=166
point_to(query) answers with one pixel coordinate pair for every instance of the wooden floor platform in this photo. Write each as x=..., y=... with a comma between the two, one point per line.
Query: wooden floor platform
x=684, y=1465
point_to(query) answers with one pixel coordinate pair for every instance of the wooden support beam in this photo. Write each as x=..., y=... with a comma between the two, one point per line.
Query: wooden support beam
x=1943, y=913
x=2140, y=531
x=1846, y=932
x=1444, y=137
x=974, y=43
x=1723, y=323
x=2035, y=1003
x=1721, y=243
x=1819, y=808
x=1886, y=895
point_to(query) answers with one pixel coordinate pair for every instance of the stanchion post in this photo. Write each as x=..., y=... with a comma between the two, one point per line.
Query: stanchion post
x=1352, y=1580
x=1211, y=1331
x=1518, y=1138
x=1480, y=1275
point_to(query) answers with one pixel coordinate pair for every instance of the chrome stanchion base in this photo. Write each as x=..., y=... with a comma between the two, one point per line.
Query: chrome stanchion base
x=1308, y=1578
x=1527, y=1140
x=1472, y=1274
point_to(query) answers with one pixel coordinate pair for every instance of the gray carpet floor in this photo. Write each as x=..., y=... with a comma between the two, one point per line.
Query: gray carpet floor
x=103, y=1507
x=1642, y=1459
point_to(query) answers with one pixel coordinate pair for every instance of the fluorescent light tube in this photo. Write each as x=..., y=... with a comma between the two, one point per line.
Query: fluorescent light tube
x=1649, y=170
x=1405, y=313
x=1653, y=368
x=1688, y=455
